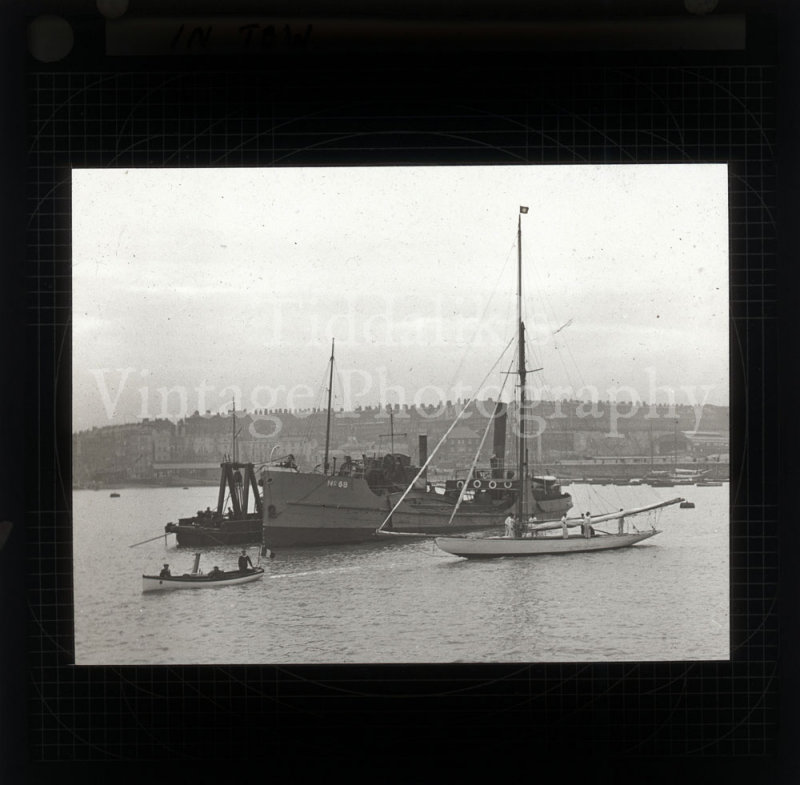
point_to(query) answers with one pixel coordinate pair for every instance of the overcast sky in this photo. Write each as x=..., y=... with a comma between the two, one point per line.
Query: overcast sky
x=223, y=282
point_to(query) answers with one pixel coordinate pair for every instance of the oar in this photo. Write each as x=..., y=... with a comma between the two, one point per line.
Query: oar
x=150, y=540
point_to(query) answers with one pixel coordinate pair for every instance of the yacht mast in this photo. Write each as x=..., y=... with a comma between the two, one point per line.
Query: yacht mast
x=522, y=500
x=328, y=424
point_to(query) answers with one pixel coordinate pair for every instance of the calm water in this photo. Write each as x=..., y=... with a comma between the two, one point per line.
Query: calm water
x=403, y=601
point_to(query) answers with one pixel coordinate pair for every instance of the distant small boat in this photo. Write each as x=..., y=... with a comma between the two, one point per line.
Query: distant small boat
x=708, y=484
x=687, y=505
x=114, y=495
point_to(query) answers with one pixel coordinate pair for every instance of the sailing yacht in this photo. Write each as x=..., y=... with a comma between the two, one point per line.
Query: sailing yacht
x=534, y=538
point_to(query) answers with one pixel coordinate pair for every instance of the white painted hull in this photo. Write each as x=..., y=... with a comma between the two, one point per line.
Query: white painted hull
x=488, y=547
x=156, y=583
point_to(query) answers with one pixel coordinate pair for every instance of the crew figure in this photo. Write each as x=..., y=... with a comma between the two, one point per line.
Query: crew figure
x=509, y=522
x=165, y=573
x=621, y=523
x=244, y=560
x=564, y=529
x=587, y=528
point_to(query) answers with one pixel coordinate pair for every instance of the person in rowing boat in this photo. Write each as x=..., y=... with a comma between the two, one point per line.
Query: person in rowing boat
x=165, y=573
x=215, y=572
x=244, y=560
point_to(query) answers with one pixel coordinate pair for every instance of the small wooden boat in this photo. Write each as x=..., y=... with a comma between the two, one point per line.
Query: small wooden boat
x=687, y=505
x=199, y=580
x=114, y=495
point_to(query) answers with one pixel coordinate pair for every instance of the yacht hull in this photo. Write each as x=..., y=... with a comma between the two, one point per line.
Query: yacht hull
x=494, y=547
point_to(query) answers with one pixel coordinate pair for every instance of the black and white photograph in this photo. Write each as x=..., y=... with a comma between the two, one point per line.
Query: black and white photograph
x=400, y=414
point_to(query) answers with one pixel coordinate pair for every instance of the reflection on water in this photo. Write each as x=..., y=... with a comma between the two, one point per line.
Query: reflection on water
x=403, y=600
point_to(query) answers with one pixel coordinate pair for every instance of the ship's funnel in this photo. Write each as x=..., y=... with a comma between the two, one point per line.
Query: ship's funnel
x=423, y=452
x=500, y=417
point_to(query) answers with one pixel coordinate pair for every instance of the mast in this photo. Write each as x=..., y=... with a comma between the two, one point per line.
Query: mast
x=521, y=453
x=675, y=446
x=233, y=426
x=328, y=424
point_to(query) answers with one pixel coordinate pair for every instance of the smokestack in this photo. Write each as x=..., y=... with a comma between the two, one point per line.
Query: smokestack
x=423, y=453
x=499, y=446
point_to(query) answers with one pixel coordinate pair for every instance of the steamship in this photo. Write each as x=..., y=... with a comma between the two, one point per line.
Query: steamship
x=349, y=504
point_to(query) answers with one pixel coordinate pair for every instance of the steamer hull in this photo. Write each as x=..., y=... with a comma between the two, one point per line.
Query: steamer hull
x=307, y=508
x=315, y=509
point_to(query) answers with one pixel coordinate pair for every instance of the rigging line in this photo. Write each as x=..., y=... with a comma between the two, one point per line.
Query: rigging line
x=441, y=441
x=559, y=348
x=469, y=346
x=552, y=318
x=489, y=422
x=311, y=419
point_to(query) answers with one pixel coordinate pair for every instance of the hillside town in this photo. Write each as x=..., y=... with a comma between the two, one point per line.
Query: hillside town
x=566, y=437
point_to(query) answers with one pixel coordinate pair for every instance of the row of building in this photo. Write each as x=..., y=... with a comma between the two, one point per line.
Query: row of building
x=191, y=449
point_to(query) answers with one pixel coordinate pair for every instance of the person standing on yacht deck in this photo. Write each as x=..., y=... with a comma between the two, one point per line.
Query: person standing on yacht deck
x=587, y=525
x=621, y=523
x=564, y=530
x=509, y=523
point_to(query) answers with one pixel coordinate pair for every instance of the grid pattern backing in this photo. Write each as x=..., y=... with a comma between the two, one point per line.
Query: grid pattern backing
x=573, y=115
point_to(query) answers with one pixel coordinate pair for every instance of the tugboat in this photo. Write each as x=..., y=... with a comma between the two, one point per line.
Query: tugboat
x=238, y=524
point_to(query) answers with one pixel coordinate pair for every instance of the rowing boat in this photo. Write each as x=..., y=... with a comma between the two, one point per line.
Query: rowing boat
x=200, y=580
